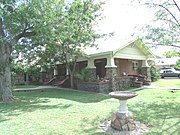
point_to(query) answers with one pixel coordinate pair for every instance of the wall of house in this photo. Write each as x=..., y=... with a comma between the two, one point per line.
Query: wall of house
x=130, y=67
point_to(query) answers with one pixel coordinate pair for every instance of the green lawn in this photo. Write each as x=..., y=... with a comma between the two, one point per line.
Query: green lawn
x=168, y=83
x=65, y=112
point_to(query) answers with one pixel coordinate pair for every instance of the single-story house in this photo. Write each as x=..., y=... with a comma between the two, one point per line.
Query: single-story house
x=120, y=65
x=166, y=62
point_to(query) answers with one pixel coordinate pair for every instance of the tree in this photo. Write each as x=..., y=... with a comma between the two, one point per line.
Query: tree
x=177, y=66
x=73, y=32
x=21, y=20
x=173, y=53
x=166, y=27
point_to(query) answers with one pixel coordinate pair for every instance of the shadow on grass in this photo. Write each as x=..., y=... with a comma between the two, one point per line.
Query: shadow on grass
x=38, y=100
x=91, y=125
x=163, y=117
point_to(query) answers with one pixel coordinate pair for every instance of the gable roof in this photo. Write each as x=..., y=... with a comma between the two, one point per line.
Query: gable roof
x=138, y=43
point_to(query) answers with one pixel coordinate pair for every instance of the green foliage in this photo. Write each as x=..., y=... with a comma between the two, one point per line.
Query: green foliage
x=73, y=31
x=85, y=75
x=155, y=73
x=46, y=31
x=20, y=69
x=177, y=66
x=173, y=53
x=165, y=28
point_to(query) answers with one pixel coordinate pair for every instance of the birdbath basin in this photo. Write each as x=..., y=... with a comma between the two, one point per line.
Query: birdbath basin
x=122, y=96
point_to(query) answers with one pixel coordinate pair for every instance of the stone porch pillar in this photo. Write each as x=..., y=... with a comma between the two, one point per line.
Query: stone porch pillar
x=145, y=69
x=91, y=66
x=111, y=72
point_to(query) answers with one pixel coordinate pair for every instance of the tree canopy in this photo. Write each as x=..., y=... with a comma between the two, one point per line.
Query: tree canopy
x=165, y=29
x=44, y=30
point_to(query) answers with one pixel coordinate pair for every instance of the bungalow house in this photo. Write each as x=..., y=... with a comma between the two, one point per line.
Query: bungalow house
x=117, y=66
x=166, y=62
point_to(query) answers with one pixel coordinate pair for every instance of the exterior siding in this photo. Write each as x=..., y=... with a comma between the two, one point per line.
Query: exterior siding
x=131, y=52
x=125, y=65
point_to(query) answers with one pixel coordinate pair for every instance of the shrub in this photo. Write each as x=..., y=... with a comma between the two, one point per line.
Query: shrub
x=85, y=75
x=155, y=73
x=177, y=66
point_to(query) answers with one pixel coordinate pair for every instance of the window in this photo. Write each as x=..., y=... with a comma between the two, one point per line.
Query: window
x=135, y=65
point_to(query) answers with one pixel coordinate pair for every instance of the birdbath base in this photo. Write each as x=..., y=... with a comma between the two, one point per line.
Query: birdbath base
x=123, y=121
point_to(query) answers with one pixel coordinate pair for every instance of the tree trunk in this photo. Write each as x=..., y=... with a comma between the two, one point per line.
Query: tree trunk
x=5, y=85
x=72, y=80
x=71, y=72
x=5, y=74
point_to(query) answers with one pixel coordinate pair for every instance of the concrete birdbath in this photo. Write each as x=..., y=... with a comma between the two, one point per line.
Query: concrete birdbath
x=123, y=119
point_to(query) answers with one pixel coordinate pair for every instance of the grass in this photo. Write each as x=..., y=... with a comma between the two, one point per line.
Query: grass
x=159, y=109
x=66, y=112
x=167, y=82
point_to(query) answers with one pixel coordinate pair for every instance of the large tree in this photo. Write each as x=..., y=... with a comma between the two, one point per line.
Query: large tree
x=73, y=33
x=20, y=20
x=165, y=29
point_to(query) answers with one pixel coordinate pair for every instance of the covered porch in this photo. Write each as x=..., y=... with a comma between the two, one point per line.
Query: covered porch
x=120, y=72
x=122, y=66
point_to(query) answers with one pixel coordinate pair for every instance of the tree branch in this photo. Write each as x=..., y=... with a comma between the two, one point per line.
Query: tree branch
x=154, y=4
x=176, y=5
x=161, y=44
x=24, y=34
x=2, y=34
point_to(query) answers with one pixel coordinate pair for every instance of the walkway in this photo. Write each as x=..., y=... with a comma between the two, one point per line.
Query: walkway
x=155, y=87
x=38, y=88
x=42, y=88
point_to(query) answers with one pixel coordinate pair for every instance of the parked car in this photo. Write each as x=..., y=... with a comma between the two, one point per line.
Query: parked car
x=170, y=73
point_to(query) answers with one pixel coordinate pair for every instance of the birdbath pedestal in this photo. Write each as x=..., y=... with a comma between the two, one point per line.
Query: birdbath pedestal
x=123, y=119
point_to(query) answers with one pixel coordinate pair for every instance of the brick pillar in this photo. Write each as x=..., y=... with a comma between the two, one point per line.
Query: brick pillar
x=111, y=73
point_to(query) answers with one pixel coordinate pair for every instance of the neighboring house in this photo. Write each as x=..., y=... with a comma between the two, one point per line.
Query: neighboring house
x=166, y=62
x=129, y=59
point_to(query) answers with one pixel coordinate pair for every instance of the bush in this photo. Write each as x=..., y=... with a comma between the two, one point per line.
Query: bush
x=177, y=66
x=155, y=73
x=85, y=75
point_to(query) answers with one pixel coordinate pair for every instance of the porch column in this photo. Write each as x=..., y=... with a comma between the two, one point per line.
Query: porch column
x=111, y=73
x=91, y=66
x=110, y=63
x=145, y=63
x=55, y=71
x=111, y=68
x=67, y=71
x=145, y=69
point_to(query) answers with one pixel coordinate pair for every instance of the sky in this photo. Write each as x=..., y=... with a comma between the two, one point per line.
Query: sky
x=123, y=17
